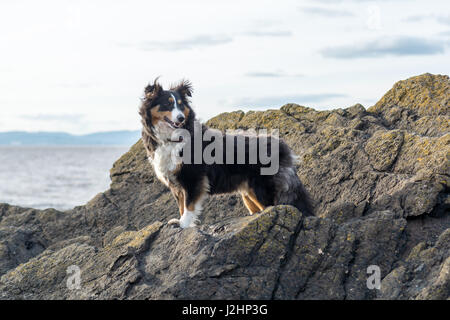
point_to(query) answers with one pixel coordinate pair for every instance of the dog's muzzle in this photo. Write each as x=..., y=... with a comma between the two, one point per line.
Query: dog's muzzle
x=176, y=124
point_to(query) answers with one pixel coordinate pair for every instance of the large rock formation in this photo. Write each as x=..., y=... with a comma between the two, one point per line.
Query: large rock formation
x=380, y=180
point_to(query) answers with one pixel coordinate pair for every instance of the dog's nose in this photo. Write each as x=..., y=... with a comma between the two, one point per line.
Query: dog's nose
x=180, y=118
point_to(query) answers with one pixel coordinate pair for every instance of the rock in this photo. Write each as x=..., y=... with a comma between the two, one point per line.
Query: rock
x=419, y=104
x=383, y=148
x=331, y=260
x=44, y=276
x=18, y=245
x=424, y=275
x=379, y=178
x=275, y=254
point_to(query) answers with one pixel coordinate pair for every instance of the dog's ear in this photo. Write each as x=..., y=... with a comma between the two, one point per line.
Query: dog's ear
x=152, y=91
x=184, y=88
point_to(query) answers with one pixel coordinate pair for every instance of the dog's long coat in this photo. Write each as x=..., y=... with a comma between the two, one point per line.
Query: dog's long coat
x=162, y=112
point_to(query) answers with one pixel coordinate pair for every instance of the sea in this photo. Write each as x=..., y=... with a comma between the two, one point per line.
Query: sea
x=59, y=177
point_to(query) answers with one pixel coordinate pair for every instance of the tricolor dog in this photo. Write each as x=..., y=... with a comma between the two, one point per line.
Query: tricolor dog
x=165, y=111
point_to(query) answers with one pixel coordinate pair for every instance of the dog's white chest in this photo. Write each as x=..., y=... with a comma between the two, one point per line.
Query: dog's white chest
x=167, y=160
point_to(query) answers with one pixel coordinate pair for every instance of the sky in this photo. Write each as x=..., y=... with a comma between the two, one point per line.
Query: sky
x=81, y=66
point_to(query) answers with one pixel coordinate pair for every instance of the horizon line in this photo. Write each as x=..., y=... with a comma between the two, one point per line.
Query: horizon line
x=68, y=133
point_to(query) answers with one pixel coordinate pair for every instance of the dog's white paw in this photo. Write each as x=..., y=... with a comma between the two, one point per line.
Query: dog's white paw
x=174, y=222
x=188, y=219
x=186, y=224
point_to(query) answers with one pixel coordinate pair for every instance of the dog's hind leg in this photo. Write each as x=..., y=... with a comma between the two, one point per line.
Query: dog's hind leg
x=251, y=207
x=251, y=201
x=255, y=200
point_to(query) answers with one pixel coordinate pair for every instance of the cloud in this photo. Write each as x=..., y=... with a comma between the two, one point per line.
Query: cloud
x=276, y=33
x=340, y=1
x=81, y=85
x=277, y=101
x=264, y=74
x=438, y=18
x=203, y=40
x=443, y=19
x=416, y=18
x=6, y=69
x=53, y=117
x=399, y=46
x=326, y=12
x=444, y=33
x=189, y=43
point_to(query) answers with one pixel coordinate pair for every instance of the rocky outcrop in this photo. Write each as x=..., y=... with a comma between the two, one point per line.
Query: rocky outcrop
x=380, y=180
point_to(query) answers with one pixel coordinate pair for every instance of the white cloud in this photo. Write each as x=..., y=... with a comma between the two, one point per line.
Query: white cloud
x=198, y=41
x=386, y=46
x=326, y=12
x=278, y=101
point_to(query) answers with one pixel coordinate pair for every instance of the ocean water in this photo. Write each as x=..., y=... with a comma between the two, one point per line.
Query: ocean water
x=59, y=177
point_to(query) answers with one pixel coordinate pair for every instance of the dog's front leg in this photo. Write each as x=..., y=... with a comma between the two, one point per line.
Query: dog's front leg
x=193, y=198
x=193, y=208
x=179, y=197
x=190, y=202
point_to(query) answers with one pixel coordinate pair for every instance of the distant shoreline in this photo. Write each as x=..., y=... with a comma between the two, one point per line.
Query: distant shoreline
x=111, y=138
x=6, y=146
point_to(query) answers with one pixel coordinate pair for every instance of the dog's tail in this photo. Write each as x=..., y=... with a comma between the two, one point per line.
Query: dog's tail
x=290, y=189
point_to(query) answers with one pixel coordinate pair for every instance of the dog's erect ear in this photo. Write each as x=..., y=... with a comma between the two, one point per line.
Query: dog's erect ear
x=184, y=88
x=152, y=91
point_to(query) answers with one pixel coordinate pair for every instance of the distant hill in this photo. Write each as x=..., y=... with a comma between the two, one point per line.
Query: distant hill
x=62, y=138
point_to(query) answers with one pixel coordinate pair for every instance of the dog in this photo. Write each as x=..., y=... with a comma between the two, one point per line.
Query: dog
x=164, y=111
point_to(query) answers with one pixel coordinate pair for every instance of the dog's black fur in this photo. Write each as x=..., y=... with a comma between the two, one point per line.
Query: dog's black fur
x=190, y=182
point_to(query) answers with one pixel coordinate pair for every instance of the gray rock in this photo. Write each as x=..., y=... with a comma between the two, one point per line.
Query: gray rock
x=379, y=177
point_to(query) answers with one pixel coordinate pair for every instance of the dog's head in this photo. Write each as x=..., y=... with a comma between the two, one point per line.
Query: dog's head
x=164, y=111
